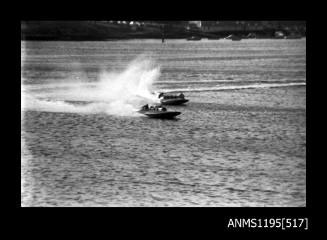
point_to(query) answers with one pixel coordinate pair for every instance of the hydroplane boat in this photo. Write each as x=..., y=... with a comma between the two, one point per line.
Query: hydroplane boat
x=172, y=99
x=158, y=112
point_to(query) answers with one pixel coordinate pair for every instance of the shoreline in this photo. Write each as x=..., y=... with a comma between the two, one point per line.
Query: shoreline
x=87, y=31
x=150, y=38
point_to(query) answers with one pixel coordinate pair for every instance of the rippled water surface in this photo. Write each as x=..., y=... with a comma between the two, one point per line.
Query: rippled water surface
x=240, y=141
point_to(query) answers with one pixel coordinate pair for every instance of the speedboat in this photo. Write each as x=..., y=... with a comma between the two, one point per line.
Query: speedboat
x=172, y=99
x=158, y=112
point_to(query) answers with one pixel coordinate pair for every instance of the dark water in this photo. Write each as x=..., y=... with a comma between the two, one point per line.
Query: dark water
x=240, y=141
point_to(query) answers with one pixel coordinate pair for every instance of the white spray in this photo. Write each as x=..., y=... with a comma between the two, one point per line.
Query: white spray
x=113, y=93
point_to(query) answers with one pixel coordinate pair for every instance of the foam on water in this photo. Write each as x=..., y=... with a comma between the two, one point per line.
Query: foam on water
x=113, y=92
x=227, y=81
x=237, y=87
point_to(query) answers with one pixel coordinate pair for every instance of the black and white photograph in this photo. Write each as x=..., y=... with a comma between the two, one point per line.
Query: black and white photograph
x=140, y=113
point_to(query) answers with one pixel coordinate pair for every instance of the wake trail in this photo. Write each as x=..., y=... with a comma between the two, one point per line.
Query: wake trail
x=222, y=88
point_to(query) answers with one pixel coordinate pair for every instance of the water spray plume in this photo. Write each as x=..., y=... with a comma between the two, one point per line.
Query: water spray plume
x=113, y=93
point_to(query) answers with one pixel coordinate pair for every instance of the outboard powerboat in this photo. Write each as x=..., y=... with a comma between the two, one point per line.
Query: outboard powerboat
x=172, y=99
x=158, y=112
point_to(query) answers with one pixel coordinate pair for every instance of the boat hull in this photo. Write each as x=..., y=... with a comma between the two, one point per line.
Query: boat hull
x=160, y=115
x=173, y=101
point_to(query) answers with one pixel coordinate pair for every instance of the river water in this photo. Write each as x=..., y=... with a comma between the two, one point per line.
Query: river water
x=240, y=141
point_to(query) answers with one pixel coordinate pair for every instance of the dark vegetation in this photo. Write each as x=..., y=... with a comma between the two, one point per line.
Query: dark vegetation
x=104, y=30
